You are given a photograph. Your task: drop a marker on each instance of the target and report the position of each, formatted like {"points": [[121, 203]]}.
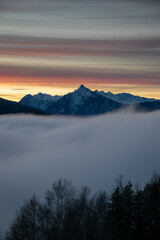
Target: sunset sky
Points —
{"points": [[53, 46]]}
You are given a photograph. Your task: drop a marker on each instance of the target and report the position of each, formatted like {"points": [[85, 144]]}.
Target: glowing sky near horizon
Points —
{"points": [[54, 46]]}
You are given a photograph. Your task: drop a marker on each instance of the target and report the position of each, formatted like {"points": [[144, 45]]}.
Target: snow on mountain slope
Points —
{"points": [[40, 101], [125, 98], [79, 96], [83, 101]]}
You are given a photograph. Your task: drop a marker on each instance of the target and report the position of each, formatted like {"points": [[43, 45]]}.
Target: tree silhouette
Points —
{"points": [[26, 224], [126, 214]]}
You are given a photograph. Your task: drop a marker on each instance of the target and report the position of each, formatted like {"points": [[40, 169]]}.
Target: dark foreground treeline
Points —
{"points": [[128, 213]]}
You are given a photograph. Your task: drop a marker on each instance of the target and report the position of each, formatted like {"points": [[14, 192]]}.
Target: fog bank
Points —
{"points": [[35, 151]]}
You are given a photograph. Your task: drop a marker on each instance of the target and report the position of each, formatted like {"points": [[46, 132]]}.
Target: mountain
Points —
{"points": [[83, 101], [7, 107], [125, 98], [40, 101], [148, 106]]}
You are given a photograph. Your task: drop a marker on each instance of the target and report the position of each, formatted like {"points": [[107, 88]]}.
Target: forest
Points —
{"points": [[127, 213]]}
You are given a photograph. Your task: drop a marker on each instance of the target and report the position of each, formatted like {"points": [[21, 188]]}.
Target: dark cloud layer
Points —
{"points": [[124, 33], [71, 75], [35, 151]]}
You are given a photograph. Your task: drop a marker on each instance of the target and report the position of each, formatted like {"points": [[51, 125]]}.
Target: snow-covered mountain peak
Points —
{"points": [[39, 94], [105, 94], [82, 86], [40, 101], [78, 97], [43, 96], [83, 91], [110, 93], [124, 98], [82, 101]]}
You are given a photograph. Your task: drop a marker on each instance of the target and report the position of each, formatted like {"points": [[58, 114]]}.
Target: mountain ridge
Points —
{"points": [[125, 98], [80, 102], [83, 101]]}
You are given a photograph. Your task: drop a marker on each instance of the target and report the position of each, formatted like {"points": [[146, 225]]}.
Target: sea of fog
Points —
{"points": [[36, 151]]}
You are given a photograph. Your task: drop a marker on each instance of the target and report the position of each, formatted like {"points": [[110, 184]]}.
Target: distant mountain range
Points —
{"points": [[125, 98], [81, 102], [40, 101]]}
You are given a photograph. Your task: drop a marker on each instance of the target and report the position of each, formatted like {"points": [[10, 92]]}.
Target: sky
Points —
{"points": [[53, 46], [93, 152]]}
